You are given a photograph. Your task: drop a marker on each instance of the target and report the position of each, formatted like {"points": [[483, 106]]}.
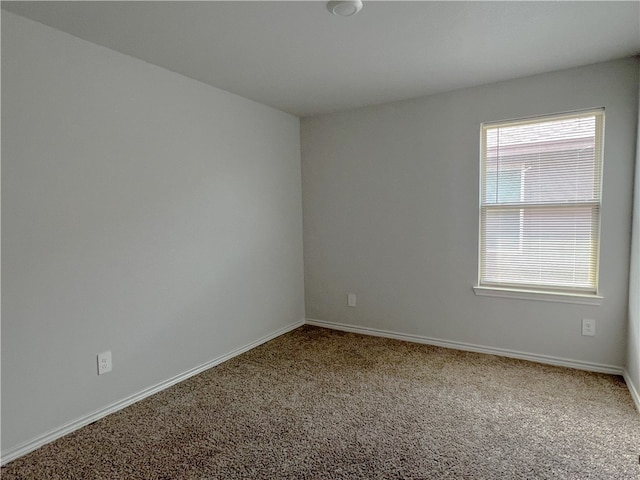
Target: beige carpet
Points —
{"points": [[322, 404]]}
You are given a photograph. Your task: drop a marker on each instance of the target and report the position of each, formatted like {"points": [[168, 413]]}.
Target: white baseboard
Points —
{"points": [[29, 446], [533, 357], [633, 389]]}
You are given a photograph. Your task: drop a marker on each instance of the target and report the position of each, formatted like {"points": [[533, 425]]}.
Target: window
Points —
{"points": [[540, 192]]}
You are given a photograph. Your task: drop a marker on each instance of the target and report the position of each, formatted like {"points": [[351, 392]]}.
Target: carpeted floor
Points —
{"points": [[316, 403]]}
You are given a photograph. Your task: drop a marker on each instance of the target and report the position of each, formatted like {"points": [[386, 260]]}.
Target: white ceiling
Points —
{"points": [[299, 58]]}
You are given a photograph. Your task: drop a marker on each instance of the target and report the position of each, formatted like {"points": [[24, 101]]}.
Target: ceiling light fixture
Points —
{"points": [[345, 8]]}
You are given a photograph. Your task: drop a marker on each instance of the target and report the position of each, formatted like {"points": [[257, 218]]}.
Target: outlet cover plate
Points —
{"points": [[104, 362], [351, 299], [588, 327]]}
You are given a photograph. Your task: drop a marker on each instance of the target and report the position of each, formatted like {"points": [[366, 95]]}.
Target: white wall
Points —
{"points": [[142, 212], [390, 207], [633, 336]]}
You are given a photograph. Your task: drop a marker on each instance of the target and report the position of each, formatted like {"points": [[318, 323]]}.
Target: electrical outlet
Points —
{"points": [[588, 327], [351, 299], [104, 362]]}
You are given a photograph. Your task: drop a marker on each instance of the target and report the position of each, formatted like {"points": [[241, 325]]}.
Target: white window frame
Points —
{"points": [[541, 292]]}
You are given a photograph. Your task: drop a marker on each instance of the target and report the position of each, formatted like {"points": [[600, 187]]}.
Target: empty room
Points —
{"points": [[320, 240]]}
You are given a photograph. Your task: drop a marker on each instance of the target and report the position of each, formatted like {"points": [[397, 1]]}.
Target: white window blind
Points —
{"points": [[540, 191]]}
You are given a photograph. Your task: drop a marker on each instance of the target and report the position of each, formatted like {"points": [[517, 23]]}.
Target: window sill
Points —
{"points": [[578, 298]]}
